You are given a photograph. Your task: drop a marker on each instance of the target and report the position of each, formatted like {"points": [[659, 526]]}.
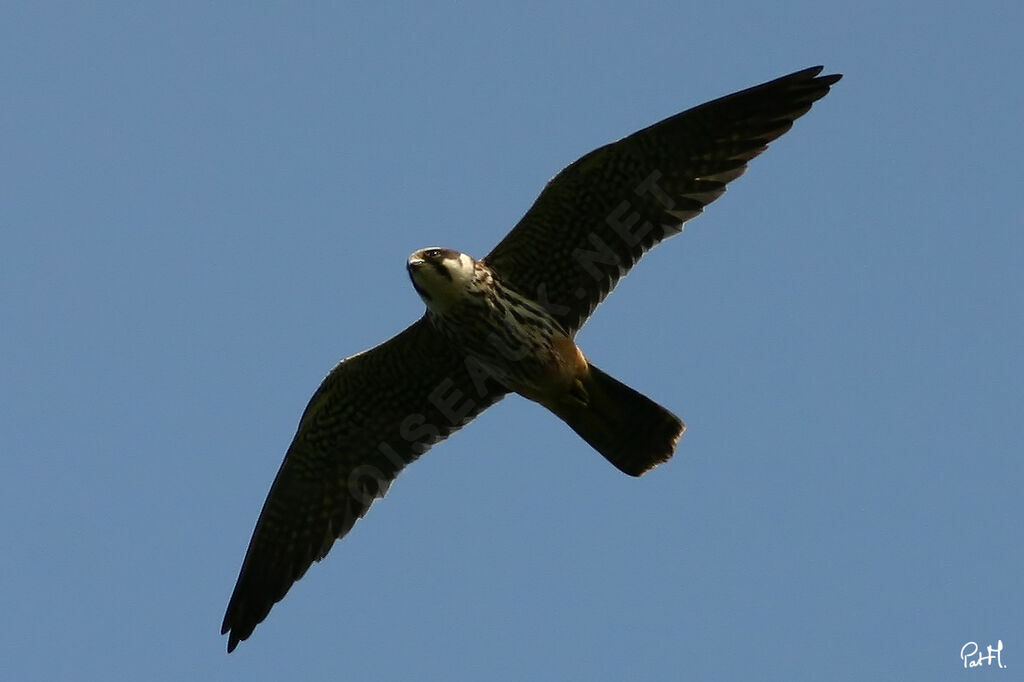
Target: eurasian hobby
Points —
{"points": [[507, 324]]}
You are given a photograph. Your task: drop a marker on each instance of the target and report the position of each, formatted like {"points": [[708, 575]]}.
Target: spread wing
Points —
{"points": [[596, 218], [373, 414]]}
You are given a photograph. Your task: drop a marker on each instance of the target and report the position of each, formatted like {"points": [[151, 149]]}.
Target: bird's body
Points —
{"points": [[507, 323], [519, 344], [512, 338]]}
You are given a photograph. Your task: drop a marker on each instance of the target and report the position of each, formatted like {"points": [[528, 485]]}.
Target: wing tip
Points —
{"points": [[807, 80], [826, 81], [230, 628], [811, 73], [240, 619], [236, 633]]}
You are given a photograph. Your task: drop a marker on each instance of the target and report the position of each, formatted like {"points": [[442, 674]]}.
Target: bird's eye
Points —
{"points": [[433, 253]]}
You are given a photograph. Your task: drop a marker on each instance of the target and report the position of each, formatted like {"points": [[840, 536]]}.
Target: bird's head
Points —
{"points": [[440, 276]]}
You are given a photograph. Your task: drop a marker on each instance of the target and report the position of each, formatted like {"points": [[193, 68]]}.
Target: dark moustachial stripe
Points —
{"points": [[440, 268]]}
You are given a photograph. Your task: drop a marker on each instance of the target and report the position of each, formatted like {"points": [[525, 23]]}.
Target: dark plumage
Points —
{"points": [[379, 410], [580, 236]]}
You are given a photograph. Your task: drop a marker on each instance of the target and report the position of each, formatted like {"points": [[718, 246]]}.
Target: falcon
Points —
{"points": [[507, 323]]}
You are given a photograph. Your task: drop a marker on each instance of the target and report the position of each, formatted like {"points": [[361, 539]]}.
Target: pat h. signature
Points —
{"points": [[973, 657]]}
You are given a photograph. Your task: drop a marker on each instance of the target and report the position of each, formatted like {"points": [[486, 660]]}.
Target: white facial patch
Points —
{"points": [[441, 276]]}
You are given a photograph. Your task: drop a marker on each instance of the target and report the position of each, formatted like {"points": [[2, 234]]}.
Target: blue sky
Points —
{"points": [[203, 208]]}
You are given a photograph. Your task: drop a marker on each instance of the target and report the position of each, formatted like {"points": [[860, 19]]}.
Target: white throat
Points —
{"points": [[442, 277]]}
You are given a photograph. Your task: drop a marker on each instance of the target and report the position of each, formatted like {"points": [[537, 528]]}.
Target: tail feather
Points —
{"points": [[632, 431]]}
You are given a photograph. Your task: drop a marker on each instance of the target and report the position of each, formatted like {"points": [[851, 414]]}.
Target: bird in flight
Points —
{"points": [[506, 323]]}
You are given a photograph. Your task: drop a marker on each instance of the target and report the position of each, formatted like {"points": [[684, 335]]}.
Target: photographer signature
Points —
{"points": [[970, 650]]}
